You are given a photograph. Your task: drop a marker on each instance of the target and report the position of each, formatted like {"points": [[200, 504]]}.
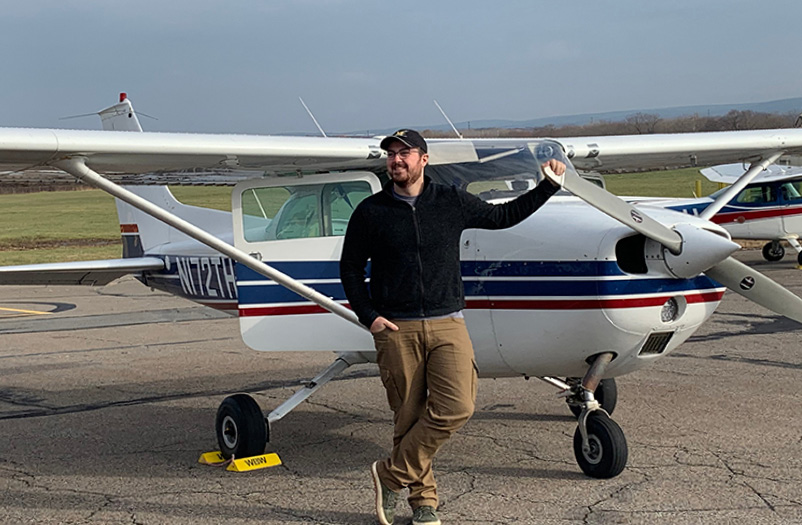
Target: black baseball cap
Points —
{"points": [[408, 137]]}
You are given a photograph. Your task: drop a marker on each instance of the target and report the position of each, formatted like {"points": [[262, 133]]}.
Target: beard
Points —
{"points": [[403, 176]]}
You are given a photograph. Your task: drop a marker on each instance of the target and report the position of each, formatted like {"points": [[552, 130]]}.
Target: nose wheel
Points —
{"points": [[241, 427], [600, 447]]}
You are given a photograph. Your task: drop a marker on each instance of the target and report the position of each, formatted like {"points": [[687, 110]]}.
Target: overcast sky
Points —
{"points": [[240, 65]]}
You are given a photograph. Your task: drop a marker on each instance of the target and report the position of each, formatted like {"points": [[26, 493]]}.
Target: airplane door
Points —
{"points": [[296, 225], [791, 195]]}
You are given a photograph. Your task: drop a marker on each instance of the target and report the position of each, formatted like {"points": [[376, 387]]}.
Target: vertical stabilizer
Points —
{"points": [[143, 234], [120, 116]]}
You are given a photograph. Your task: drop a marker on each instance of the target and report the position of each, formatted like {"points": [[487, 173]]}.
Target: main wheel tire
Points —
{"points": [[606, 394], [771, 254], [241, 427], [608, 452], [799, 259]]}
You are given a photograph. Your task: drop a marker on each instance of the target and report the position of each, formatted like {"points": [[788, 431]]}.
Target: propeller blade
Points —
{"points": [[756, 287], [616, 208]]}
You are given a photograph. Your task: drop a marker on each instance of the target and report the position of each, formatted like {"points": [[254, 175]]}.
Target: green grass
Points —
{"points": [[82, 225], [668, 183], [61, 226], [216, 197]]}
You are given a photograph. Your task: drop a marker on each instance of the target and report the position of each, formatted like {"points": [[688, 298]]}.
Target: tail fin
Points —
{"points": [[142, 233], [120, 116]]}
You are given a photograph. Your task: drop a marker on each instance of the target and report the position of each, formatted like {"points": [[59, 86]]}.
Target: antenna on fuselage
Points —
{"points": [[448, 120], [313, 117]]}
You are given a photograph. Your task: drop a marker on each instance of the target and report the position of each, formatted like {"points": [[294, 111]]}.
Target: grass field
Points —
{"points": [[82, 225]]}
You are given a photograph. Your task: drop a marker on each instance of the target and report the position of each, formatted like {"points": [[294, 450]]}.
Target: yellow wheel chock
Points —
{"points": [[241, 464]]}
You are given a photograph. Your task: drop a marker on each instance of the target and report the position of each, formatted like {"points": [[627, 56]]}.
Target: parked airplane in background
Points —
{"points": [[769, 208], [585, 290]]}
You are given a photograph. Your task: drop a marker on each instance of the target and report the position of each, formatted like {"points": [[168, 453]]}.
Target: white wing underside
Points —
{"points": [[141, 153]]}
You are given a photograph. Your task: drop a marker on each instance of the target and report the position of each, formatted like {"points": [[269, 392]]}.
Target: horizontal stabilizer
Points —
{"points": [[730, 173], [81, 272]]}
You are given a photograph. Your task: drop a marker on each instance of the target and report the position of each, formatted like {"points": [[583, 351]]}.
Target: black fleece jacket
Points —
{"points": [[414, 252]]}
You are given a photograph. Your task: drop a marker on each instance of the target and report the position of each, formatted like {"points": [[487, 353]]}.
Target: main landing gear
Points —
{"points": [[600, 447], [774, 251], [243, 430]]}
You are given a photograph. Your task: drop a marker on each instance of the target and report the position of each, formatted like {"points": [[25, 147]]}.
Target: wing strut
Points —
{"points": [[740, 184], [78, 168]]}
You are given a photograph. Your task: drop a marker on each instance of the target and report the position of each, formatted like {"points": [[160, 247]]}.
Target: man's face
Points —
{"points": [[405, 164]]}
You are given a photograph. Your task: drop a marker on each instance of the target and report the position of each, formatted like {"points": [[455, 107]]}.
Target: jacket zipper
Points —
{"points": [[420, 260]]}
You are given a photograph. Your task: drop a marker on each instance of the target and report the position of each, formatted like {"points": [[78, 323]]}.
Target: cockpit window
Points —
{"points": [[500, 173], [792, 190], [300, 212], [761, 194]]}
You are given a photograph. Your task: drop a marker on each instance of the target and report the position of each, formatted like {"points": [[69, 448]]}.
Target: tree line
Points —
{"points": [[640, 124]]}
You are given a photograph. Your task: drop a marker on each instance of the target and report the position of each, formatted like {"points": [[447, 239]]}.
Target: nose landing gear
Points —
{"points": [[600, 447]]}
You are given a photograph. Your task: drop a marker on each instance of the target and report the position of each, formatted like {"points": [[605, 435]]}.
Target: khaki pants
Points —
{"points": [[429, 373]]}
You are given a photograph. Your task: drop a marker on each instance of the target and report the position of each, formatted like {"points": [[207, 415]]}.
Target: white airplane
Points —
{"points": [[584, 291], [769, 208]]}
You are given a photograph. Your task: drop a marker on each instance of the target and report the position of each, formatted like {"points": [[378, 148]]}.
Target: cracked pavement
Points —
{"points": [[104, 423]]}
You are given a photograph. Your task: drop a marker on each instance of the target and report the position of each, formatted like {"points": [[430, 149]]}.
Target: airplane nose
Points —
{"points": [[700, 250]]}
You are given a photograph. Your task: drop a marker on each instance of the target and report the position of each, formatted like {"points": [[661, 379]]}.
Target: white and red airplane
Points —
{"points": [[585, 290], [769, 208]]}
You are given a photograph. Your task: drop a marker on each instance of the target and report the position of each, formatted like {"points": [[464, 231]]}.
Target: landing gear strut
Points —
{"points": [[600, 447], [606, 394], [243, 430]]}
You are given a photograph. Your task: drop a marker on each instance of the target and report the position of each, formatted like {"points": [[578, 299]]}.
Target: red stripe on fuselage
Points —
{"points": [[503, 304], [742, 216]]}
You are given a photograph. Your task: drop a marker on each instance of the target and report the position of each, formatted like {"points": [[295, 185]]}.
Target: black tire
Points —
{"points": [[608, 447], [606, 394], [799, 259], [772, 255], [241, 427]]}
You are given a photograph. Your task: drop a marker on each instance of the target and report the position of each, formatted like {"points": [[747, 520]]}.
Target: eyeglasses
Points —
{"points": [[402, 153]]}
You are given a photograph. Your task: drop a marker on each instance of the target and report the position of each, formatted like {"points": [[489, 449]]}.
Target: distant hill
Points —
{"points": [[788, 105]]}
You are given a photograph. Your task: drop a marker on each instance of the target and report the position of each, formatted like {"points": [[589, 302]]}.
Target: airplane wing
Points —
{"points": [[729, 173], [142, 153], [114, 152], [629, 152], [98, 272]]}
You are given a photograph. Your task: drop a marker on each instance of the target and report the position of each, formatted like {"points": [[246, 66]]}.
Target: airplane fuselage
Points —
{"points": [[537, 302]]}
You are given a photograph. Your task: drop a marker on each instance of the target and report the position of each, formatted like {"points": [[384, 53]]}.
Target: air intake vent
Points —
{"points": [[629, 253], [656, 343]]}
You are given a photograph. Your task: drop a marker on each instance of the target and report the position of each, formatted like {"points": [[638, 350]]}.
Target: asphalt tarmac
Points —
{"points": [[108, 400]]}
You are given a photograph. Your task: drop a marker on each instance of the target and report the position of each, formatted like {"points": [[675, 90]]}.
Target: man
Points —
{"points": [[410, 232]]}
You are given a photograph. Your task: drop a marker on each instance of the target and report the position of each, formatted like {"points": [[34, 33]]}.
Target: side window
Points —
{"points": [[792, 191], [300, 212], [341, 199], [259, 207], [756, 195], [300, 216]]}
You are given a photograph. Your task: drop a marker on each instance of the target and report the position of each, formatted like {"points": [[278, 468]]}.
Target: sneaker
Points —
{"points": [[425, 515], [385, 498]]}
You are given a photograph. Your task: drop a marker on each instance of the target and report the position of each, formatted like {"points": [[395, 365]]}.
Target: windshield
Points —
{"points": [[501, 172]]}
